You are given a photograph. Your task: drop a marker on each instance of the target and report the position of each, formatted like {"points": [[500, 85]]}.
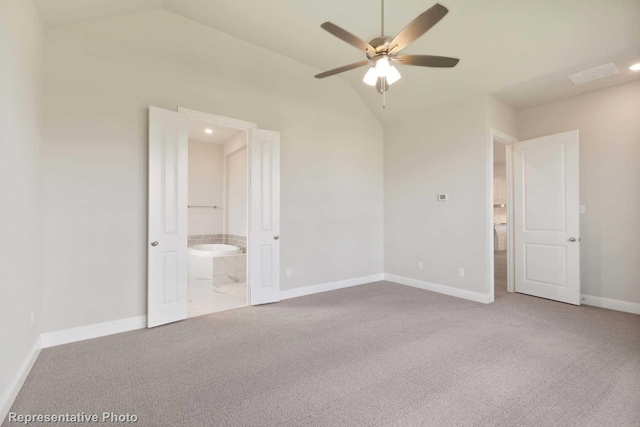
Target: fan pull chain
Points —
{"points": [[384, 94]]}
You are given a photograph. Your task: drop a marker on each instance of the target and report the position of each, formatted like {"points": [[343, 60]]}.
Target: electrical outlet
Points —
{"points": [[289, 272], [420, 265], [461, 272], [33, 319]]}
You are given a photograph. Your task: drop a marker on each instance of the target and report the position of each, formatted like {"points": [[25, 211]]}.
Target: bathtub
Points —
{"points": [[213, 250], [217, 262]]}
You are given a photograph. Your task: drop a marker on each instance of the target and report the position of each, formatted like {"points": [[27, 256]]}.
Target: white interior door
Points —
{"points": [[546, 217], [167, 237], [264, 214]]}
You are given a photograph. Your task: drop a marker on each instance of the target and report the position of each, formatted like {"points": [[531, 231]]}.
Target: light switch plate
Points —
{"points": [[583, 210]]}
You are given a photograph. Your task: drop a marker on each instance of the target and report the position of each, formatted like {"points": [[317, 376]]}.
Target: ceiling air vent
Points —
{"points": [[594, 73]]}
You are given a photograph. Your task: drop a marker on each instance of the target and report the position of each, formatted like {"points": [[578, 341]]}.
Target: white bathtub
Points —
{"points": [[213, 250], [218, 262]]}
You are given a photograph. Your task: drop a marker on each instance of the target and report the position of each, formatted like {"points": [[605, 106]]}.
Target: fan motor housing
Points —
{"points": [[381, 44]]}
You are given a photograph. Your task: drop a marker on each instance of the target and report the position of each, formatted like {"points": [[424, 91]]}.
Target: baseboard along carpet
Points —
{"points": [[378, 354]]}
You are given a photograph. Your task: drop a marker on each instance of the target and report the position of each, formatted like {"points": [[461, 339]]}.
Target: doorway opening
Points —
{"points": [[501, 234], [243, 252], [500, 202], [217, 218]]}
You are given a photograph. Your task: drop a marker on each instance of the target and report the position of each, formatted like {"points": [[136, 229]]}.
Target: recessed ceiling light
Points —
{"points": [[635, 67], [209, 131]]}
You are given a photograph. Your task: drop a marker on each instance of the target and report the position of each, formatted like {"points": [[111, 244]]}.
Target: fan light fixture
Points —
{"points": [[384, 52], [208, 131], [393, 75], [635, 67], [382, 66], [371, 77]]}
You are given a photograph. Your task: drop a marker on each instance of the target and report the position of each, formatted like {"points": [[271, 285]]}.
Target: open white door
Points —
{"points": [[264, 217], [167, 251], [547, 217]]}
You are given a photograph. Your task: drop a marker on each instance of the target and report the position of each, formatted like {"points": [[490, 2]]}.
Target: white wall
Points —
{"points": [[609, 125], [20, 283], [442, 151], [237, 191], [101, 76], [502, 117], [205, 188]]}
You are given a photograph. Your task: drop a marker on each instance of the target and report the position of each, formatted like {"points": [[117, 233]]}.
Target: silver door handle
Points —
{"points": [[154, 243], [572, 239], [276, 237]]}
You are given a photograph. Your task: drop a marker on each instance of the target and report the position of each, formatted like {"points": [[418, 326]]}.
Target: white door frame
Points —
{"points": [[508, 141], [215, 119]]}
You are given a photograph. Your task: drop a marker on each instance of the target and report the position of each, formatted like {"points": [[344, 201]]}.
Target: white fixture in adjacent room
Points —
{"points": [[500, 237]]}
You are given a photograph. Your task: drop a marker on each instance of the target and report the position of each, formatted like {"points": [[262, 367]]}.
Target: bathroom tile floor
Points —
{"points": [[205, 297]]}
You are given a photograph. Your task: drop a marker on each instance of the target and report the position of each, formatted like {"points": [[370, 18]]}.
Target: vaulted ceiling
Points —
{"points": [[519, 51]]}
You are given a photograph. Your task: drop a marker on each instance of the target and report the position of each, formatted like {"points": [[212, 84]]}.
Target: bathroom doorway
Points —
{"points": [[238, 262], [217, 218], [501, 258]]}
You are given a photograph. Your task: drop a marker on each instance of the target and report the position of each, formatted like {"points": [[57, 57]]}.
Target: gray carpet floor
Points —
{"points": [[380, 354]]}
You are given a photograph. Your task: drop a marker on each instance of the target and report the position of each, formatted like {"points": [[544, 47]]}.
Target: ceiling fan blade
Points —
{"points": [[342, 69], [346, 36], [426, 60], [418, 27]]}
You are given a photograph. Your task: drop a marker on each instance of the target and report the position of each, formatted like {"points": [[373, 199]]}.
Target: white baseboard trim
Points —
{"points": [[441, 289], [50, 339], [611, 304], [330, 286], [18, 380]]}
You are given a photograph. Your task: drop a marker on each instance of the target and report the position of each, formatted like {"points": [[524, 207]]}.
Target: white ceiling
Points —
{"points": [[55, 13], [220, 135], [519, 51]]}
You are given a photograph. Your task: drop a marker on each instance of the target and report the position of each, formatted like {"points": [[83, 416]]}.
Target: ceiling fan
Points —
{"points": [[384, 52]]}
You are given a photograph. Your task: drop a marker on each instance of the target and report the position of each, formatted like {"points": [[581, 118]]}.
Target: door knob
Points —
{"points": [[276, 237], [572, 239], [154, 243]]}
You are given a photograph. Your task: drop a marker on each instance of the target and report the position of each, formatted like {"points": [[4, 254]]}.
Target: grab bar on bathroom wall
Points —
{"points": [[192, 206]]}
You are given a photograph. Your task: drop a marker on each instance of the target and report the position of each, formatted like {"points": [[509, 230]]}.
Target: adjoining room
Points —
{"points": [[500, 202], [217, 254]]}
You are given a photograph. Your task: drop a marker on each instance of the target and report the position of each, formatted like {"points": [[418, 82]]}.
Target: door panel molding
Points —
{"points": [[547, 217], [167, 226]]}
